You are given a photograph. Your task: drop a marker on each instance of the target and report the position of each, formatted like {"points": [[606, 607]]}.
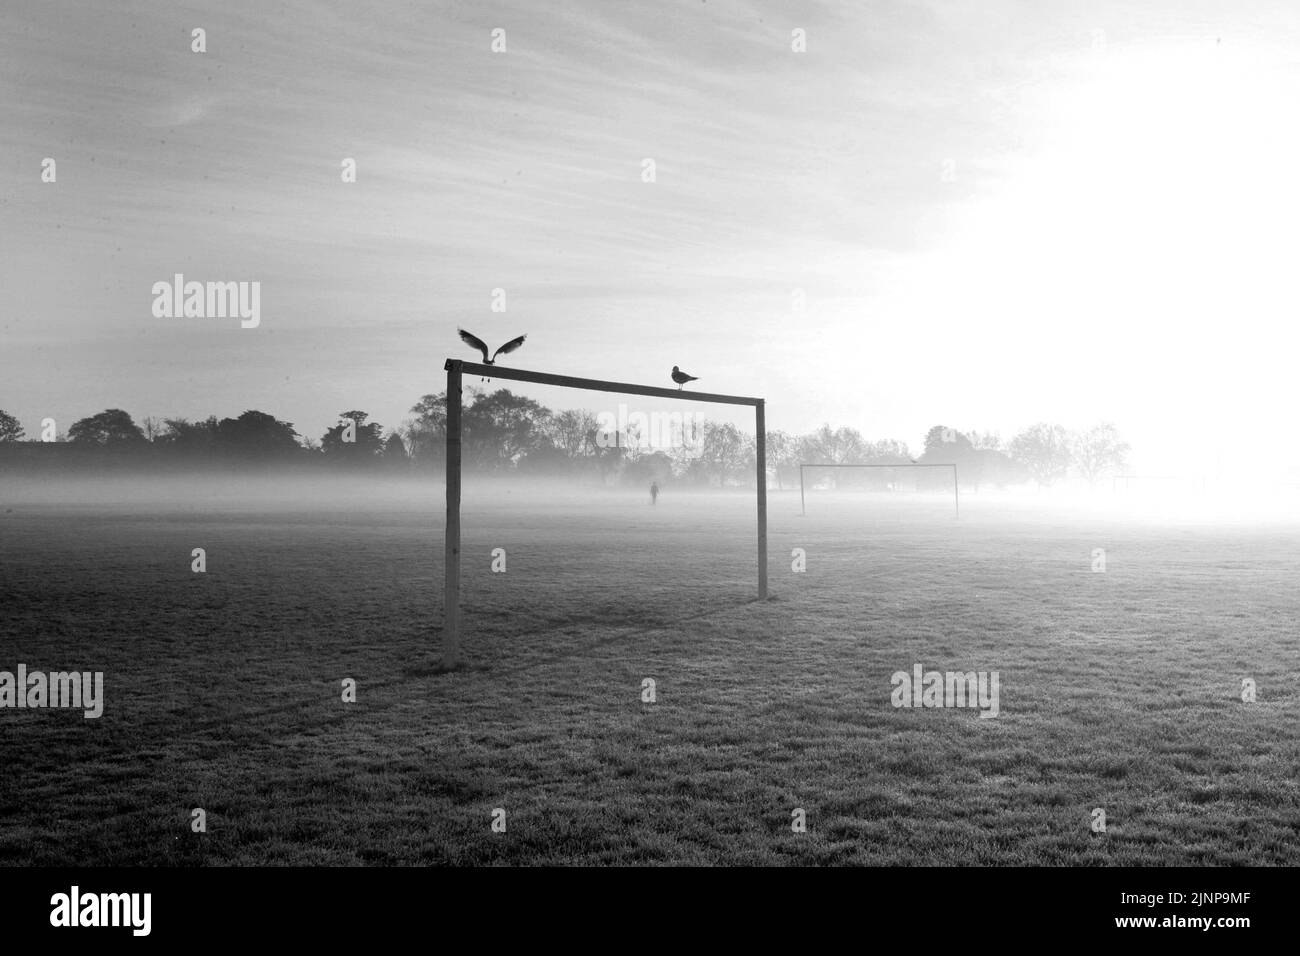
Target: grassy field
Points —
{"points": [[1119, 690]]}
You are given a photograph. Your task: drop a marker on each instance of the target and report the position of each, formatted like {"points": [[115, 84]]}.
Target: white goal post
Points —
{"points": [[455, 368], [803, 505]]}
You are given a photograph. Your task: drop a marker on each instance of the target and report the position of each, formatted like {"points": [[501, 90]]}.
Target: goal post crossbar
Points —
{"points": [[456, 368], [595, 385], [956, 497]]}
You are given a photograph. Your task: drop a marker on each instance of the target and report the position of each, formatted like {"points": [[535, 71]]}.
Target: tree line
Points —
{"points": [[505, 433]]}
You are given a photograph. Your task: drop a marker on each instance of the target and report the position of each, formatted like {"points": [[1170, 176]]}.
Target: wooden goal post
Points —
{"points": [[456, 368]]}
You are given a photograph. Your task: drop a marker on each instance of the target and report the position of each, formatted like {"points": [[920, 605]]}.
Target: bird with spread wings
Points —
{"points": [[474, 341]]}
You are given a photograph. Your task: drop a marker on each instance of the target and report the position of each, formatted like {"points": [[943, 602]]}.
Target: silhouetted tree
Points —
{"points": [[724, 453], [888, 451], [834, 447], [395, 451], [367, 443], [10, 428], [947, 446], [190, 438], [608, 457], [1098, 451], [426, 433], [570, 431], [1044, 450], [827, 446], [984, 441], [782, 459], [110, 427], [500, 427], [259, 436]]}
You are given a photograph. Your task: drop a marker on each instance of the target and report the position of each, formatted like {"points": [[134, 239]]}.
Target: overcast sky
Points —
{"points": [[997, 212]]}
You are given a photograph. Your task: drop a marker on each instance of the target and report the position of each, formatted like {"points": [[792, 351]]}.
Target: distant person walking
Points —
{"points": [[654, 492]]}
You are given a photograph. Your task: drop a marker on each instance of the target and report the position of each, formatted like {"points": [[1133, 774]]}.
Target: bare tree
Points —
{"points": [[1098, 451], [782, 456], [985, 441], [1044, 450], [571, 431]]}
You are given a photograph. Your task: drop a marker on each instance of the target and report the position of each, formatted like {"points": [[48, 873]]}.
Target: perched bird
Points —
{"points": [[681, 378], [475, 342]]}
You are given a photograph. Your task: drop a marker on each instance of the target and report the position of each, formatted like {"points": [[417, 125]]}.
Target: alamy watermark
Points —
{"points": [[681, 432], [75, 909], [57, 689], [951, 689], [208, 300]]}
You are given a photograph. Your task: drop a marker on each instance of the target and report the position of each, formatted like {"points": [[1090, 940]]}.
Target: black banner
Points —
{"points": [[947, 906]]}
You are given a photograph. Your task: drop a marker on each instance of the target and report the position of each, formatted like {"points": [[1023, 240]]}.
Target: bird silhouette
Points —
{"points": [[474, 341], [681, 378]]}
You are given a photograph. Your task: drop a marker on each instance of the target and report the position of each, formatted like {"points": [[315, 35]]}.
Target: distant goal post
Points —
{"points": [[804, 466]]}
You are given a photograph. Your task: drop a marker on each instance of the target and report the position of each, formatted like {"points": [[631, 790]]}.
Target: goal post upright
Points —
{"points": [[760, 433], [457, 368], [956, 487], [451, 627]]}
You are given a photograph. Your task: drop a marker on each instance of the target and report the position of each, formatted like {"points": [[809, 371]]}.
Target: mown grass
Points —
{"points": [[1118, 690]]}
